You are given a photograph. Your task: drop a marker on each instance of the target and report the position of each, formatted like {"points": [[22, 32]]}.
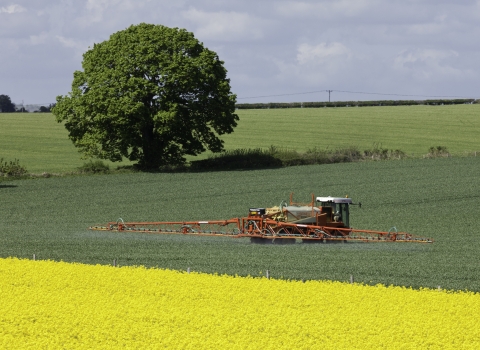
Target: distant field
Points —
{"points": [[435, 198], [38, 141], [42, 144], [412, 129]]}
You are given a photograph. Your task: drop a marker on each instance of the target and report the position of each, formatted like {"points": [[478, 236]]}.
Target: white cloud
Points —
{"points": [[426, 55], [110, 10], [39, 39], [225, 25], [96, 8], [321, 53], [440, 24], [476, 10], [12, 9], [324, 9], [314, 66], [66, 41], [79, 46], [429, 64], [269, 47]]}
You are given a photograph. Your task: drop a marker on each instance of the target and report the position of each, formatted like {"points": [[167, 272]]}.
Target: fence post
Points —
{"points": [[188, 269], [34, 257], [114, 262], [351, 279], [268, 275]]}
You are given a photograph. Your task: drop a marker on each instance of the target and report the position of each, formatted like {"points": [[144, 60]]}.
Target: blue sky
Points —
{"points": [[273, 50]]}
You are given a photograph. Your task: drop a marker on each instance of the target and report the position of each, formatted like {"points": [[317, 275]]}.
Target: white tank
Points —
{"points": [[302, 211]]}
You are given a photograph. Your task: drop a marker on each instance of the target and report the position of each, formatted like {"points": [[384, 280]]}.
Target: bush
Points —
{"points": [[283, 157], [380, 153], [438, 151], [12, 168], [237, 159], [94, 167]]}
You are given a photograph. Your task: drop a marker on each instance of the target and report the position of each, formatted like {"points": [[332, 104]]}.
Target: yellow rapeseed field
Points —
{"points": [[56, 305]]}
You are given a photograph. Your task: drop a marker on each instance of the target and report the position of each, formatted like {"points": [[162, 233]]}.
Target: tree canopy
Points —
{"points": [[6, 104], [151, 94]]}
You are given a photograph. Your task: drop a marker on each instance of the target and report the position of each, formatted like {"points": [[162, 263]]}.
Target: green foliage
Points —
{"points": [[11, 168], [94, 167], [438, 151], [380, 153], [280, 157], [314, 155], [44, 109], [327, 156], [151, 94], [238, 159], [6, 105]]}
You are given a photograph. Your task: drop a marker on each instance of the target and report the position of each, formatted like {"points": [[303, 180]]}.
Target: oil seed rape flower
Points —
{"points": [[56, 305]]}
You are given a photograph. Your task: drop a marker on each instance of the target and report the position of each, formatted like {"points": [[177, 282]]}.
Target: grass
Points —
{"points": [[412, 129], [436, 198], [38, 142], [42, 145]]}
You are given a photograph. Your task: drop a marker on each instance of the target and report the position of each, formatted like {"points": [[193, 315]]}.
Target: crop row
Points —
{"points": [[433, 198]]}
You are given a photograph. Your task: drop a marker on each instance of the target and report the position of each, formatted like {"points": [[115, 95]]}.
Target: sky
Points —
{"points": [[274, 51]]}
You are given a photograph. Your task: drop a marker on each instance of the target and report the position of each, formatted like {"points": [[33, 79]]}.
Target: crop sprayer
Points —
{"points": [[324, 219]]}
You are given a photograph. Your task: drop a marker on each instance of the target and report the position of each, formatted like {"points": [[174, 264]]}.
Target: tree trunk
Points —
{"points": [[150, 158]]}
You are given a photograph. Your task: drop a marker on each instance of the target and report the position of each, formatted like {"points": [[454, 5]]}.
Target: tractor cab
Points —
{"points": [[337, 208]]}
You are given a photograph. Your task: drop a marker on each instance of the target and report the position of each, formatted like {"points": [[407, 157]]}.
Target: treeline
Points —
{"points": [[7, 106], [354, 103]]}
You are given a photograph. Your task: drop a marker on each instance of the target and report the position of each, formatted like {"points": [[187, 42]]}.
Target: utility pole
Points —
{"points": [[329, 91]]}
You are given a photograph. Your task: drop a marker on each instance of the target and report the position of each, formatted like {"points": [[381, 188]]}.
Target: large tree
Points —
{"points": [[151, 94], [6, 104]]}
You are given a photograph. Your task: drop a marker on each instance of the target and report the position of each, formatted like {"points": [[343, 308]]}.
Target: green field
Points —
{"points": [[42, 144], [412, 129], [436, 198], [39, 142]]}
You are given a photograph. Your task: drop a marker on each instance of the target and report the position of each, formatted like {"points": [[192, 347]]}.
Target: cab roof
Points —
{"points": [[334, 199]]}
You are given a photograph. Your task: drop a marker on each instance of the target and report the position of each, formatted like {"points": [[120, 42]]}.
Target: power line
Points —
{"points": [[351, 92], [329, 91], [296, 93], [379, 93]]}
